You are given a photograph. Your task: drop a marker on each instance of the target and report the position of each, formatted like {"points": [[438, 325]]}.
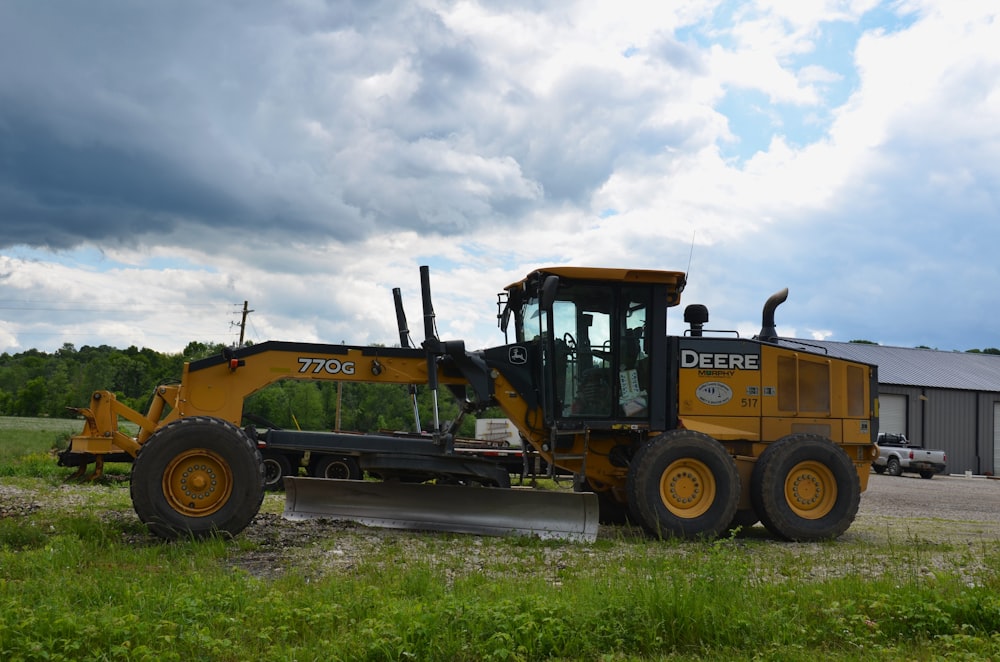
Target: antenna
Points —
{"points": [[687, 274]]}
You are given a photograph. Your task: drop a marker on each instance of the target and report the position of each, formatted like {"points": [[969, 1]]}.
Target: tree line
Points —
{"points": [[36, 383]]}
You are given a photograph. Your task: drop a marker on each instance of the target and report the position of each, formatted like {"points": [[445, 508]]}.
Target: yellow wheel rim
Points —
{"points": [[811, 490], [687, 488], [197, 482]]}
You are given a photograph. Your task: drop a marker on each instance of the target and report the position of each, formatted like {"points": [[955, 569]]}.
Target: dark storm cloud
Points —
{"points": [[58, 193], [120, 118], [316, 120]]}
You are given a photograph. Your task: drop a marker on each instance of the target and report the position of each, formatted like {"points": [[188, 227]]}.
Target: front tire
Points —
{"points": [[197, 476], [893, 467], [684, 484], [804, 487]]}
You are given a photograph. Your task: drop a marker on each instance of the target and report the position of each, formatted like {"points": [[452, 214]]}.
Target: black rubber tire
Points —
{"points": [[826, 504], [214, 458], [893, 467], [344, 467], [683, 484], [276, 467], [743, 520], [879, 468], [610, 509], [927, 474]]}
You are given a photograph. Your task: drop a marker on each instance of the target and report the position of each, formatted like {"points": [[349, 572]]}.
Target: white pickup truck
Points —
{"points": [[896, 455]]}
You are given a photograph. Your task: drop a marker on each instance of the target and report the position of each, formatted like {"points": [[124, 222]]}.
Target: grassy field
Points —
{"points": [[81, 579], [28, 446], [26, 436]]}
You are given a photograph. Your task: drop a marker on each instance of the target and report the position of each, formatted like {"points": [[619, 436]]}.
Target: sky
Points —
{"points": [[161, 163]]}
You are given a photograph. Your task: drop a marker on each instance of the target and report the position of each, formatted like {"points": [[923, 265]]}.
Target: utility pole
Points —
{"points": [[340, 395], [243, 322]]}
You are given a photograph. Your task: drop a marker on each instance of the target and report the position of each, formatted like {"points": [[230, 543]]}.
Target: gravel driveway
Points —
{"points": [[942, 497], [942, 509]]}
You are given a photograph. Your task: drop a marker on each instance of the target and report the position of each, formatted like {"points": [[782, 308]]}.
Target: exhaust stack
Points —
{"points": [[768, 333], [697, 316]]}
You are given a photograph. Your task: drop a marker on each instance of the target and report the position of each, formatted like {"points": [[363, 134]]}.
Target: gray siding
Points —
{"points": [[949, 422], [958, 422], [986, 431]]}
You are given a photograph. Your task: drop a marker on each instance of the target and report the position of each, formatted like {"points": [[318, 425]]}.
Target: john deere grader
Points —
{"points": [[688, 434]]}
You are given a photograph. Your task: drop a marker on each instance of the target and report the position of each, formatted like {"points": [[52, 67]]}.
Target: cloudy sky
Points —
{"points": [[163, 162]]}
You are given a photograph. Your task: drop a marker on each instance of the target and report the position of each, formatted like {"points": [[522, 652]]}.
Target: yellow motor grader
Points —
{"points": [[688, 434]]}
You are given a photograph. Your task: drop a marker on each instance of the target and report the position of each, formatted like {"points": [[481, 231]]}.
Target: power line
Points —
{"points": [[125, 306], [242, 323]]}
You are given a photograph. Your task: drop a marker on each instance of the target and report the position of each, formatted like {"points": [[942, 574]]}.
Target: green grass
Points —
{"points": [[28, 436], [113, 600], [28, 447], [81, 579]]}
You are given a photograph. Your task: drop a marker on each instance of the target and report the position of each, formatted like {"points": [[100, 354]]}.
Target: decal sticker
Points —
{"points": [[329, 366], [517, 355], [714, 393], [719, 360]]}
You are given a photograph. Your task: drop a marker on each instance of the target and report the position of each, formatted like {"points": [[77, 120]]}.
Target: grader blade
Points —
{"points": [[477, 510]]}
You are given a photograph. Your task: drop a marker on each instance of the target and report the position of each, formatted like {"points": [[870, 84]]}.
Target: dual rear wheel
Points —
{"points": [[686, 484], [805, 487]]}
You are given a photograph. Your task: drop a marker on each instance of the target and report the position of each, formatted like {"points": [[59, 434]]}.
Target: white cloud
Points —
{"points": [[308, 157]]}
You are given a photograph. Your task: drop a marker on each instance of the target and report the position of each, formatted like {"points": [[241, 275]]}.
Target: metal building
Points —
{"points": [[947, 400]]}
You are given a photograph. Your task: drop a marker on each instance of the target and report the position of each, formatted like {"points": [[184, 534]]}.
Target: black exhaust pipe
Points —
{"points": [[768, 333]]}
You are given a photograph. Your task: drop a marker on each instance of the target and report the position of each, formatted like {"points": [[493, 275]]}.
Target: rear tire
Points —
{"points": [[879, 468], [197, 476], [804, 487], [927, 474], [684, 484]]}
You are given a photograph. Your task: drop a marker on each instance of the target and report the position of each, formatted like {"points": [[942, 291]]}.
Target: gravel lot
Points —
{"points": [[942, 497], [944, 509]]}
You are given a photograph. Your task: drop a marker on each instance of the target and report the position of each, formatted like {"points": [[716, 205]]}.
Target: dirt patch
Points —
{"points": [[16, 502]]}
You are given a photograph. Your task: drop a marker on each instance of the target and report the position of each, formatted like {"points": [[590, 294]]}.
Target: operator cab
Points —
{"points": [[600, 335]]}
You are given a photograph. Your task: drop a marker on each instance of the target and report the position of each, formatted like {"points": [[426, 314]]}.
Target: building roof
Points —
{"points": [[904, 366]]}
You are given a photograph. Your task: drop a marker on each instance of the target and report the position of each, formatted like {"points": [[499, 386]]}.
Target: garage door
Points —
{"points": [[892, 413]]}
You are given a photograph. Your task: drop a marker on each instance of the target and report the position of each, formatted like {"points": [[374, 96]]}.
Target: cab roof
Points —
{"points": [[674, 280]]}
